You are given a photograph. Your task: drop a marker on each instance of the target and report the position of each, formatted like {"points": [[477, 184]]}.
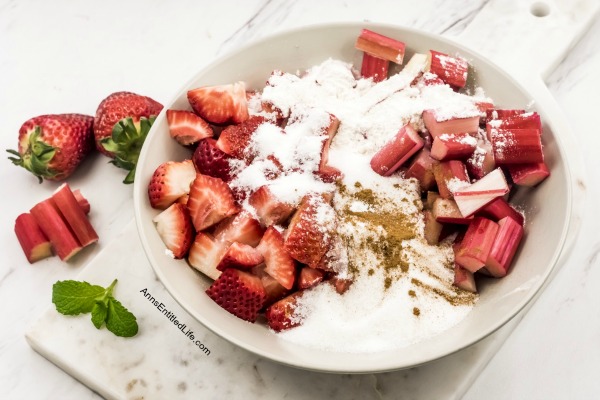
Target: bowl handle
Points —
{"points": [[530, 37]]}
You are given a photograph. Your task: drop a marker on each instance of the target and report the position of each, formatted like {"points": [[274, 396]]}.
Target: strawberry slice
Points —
{"points": [[170, 181], [240, 256], [309, 233], [309, 277], [220, 105], [278, 262], [235, 138], [273, 289], [210, 160], [238, 292], [187, 128], [210, 201], [206, 253], [240, 228], [281, 315], [175, 229], [269, 209]]}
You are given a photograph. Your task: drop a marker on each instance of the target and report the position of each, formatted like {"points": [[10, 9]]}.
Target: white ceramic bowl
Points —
{"points": [[548, 207]]}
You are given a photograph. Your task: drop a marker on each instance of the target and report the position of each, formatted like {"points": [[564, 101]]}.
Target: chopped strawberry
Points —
{"points": [[238, 292], [326, 172], [269, 209], [235, 138], [175, 229], [240, 256], [309, 277], [273, 289], [220, 105], [210, 201], [281, 316], [187, 128], [309, 233], [170, 181], [210, 160], [278, 262], [341, 285], [206, 253], [240, 228]]}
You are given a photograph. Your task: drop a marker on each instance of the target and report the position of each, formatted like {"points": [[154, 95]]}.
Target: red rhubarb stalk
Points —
{"points": [[476, 196], [481, 161], [83, 202], [453, 146], [452, 70], [374, 67], [450, 176], [516, 146], [74, 216], [446, 211], [504, 247], [464, 279], [421, 168], [34, 243], [499, 208], [396, 152], [528, 174], [474, 249], [380, 46], [56, 229], [433, 229], [501, 114], [454, 125]]}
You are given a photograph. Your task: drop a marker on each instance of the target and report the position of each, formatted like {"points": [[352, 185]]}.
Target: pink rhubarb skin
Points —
{"points": [[452, 70], [374, 67], [445, 211], [516, 146], [421, 168], [474, 249], [380, 46], [464, 279], [501, 114], [454, 125], [34, 243], [522, 120], [74, 216], [499, 208], [396, 152], [447, 171], [481, 162], [504, 247], [528, 174], [476, 196], [453, 146], [83, 202], [56, 229]]}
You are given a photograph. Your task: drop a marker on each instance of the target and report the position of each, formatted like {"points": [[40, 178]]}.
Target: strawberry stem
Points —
{"points": [[36, 156]]}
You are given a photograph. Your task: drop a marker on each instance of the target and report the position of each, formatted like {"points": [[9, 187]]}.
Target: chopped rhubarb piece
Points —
{"points": [[309, 277], [474, 249], [452, 70], [484, 107], [431, 197], [530, 120], [504, 247], [516, 146], [56, 229], [450, 176], [499, 208], [206, 253], [374, 67], [380, 46], [396, 152], [453, 146], [187, 128], [326, 172], [281, 315], [421, 168], [34, 243], [476, 196], [433, 229], [528, 174], [481, 161], [174, 227], [83, 202], [238, 292], [446, 211], [454, 125], [240, 228], [501, 114], [464, 279], [74, 216], [240, 256], [269, 209]]}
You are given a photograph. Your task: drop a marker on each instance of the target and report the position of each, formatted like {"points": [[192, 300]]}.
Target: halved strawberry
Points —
{"points": [[175, 229], [240, 256], [309, 234], [187, 128], [309, 277], [206, 253], [240, 228], [170, 181], [240, 293], [220, 105], [210, 160], [235, 138], [273, 289], [210, 201], [281, 315], [278, 262], [269, 209]]}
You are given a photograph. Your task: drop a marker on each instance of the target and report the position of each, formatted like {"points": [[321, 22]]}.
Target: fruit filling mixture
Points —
{"points": [[350, 210]]}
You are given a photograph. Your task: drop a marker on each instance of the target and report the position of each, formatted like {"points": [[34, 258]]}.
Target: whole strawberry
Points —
{"points": [[52, 146], [122, 123]]}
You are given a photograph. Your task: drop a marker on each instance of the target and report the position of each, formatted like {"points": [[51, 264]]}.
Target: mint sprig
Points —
{"points": [[75, 297]]}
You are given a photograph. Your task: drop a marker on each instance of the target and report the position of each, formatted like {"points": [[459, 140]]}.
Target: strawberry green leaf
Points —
{"points": [[74, 297], [119, 320], [99, 313], [36, 156]]}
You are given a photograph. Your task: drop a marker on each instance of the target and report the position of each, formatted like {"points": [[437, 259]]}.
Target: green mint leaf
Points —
{"points": [[99, 313], [73, 297], [119, 320]]}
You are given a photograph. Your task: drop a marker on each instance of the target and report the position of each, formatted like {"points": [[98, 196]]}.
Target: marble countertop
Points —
{"points": [[65, 56]]}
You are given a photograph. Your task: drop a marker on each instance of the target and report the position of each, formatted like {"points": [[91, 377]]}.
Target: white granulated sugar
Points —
{"points": [[387, 306], [455, 184], [464, 139]]}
